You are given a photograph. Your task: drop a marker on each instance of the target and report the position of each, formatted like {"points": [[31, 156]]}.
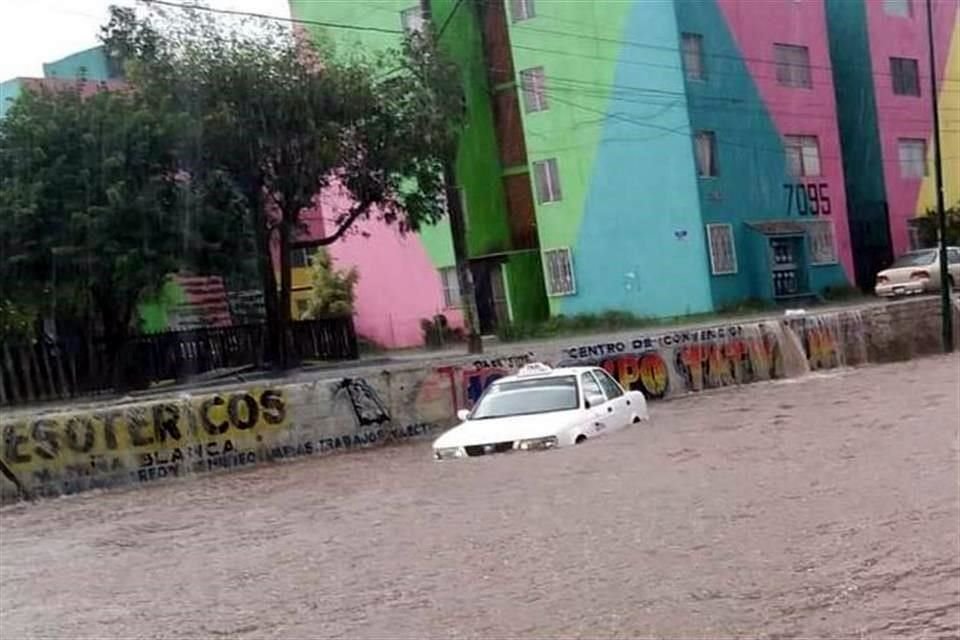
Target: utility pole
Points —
{"points": [[945, 293], [458, 229]]}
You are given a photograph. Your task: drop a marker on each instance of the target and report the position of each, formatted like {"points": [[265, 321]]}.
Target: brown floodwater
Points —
{"points": [[821, 507]]}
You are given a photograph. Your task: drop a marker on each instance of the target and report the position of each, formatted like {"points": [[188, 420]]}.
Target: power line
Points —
{"points": [[743, 74], [720, 141], [446, 22], [723, 56], [263, 16]]}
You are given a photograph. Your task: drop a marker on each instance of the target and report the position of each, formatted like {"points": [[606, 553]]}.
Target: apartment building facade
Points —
{"points": [[662, 157], [880, 53]]}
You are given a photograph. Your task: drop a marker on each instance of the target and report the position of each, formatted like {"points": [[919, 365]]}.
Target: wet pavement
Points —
{"points": [[826, 506]]}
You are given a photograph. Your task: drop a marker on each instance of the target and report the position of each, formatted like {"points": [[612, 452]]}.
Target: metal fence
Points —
{"points": [[75, 368]]}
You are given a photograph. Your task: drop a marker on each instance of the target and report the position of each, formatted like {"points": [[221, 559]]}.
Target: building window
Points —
{"points": [[913, 232], [803, 155], [451, 287], [534, 91], [547, 180], [300, 258], [522, 10], [913, 157], [693, 56], [906, 76], [723, 253], [793, 65], [560, 280], [412, 19], [823, 250], [898, 8], [706, 147]]}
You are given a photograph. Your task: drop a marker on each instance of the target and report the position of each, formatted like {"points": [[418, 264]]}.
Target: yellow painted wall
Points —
{"points": [[949, 110]]}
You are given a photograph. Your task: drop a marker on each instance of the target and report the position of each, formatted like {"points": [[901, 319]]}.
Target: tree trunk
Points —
{"points": [[464, 276], [268, 279], [287, 359]]}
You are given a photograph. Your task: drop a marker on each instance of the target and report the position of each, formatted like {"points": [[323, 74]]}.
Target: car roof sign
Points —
{"points": [[534, 369]]}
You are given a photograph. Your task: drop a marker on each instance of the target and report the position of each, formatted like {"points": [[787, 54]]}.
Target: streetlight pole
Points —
{"points": [[946, 317]]}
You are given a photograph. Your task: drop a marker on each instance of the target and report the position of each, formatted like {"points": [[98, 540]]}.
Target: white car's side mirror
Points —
{"points": [[463, 415]]}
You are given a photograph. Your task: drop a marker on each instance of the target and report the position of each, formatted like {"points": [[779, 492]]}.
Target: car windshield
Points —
{"points": [[915, 259], [522, 397]]}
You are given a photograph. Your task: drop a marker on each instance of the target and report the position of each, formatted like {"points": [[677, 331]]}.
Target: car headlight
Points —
{"points": [[538, 443], [445, 453]]}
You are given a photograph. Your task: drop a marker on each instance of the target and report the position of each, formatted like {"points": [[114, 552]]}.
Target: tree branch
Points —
{"points": [[344, 226]]}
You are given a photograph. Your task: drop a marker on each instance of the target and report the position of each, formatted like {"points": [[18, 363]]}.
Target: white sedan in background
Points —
{"points": [[542, 408], [918, 272]]}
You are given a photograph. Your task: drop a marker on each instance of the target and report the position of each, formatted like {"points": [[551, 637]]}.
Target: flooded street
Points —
{"points": [[821, 507]]}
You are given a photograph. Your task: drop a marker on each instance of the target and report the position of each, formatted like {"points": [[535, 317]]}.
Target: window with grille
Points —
{"points": [[823, 249], [793, 65], [803, 155], [532, 82], [913, 157], [412, 19], [723, 253], [706, 148], [451, 287], [906, 76], [898, 8], [560, 281], [547, 180], [522, 10], [693, 56], [300, 258]]}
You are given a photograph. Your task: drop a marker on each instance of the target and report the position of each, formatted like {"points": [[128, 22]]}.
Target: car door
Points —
{"points": [[599, 411], [617, 401], [953, 265]]}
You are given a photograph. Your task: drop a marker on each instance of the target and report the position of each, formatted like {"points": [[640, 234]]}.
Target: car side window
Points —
{"points": [[609, 385], [592, 392], [953, 256]]}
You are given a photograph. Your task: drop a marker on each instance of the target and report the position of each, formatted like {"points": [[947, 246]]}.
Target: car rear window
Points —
{"points": [[522, 397], [915, 259]]}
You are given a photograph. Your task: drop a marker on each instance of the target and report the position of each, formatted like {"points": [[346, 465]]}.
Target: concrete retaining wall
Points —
{"points": [[239, 426]]}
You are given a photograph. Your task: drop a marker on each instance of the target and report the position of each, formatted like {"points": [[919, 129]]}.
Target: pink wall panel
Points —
{"points": [[756, 25]]}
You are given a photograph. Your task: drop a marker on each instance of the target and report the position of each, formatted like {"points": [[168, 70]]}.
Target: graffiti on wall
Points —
{"points": [[69, 451], [74, 451]]}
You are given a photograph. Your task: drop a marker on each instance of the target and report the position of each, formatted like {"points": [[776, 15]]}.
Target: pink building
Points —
{"points": [[399, 285], [880, 60]]}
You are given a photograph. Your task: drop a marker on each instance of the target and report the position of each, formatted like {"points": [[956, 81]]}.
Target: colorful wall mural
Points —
{"points": [[886, 189]]}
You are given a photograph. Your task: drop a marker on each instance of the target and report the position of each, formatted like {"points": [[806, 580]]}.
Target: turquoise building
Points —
{"points": [[661, 157]]}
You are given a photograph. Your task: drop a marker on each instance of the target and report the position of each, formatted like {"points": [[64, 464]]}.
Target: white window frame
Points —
{"points": [[452, 299], [554, 291], [791, 72], [411, 24], [898, 8], [823, 247], [521, 10], [908, 165], [533, 85], [710, 171], [715, 268], [897, 79], [698, 70], [547, 183], [806, 151]]}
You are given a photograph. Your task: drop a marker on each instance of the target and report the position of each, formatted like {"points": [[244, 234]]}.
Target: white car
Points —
{"points": [[542, 408]]}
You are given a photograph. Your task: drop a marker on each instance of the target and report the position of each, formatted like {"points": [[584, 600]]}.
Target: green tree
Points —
{"points": [[928, 227], [331, 289], [95, 211], [285, 122]]}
